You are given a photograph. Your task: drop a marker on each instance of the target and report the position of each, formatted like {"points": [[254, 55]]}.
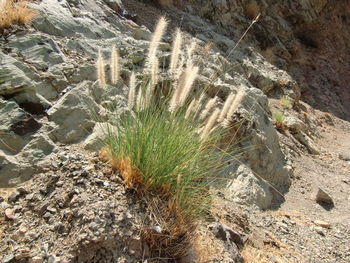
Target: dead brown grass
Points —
{"points": [[252, 10], [174, 237], [131, 177], [14, 13]]}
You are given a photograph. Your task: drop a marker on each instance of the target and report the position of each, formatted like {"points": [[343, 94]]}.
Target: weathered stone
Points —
{"points": [[14, 197], [307, 142], [247, 189], [227, 234], [322, 224], [323, 197], [72, 115], [10, 214]]}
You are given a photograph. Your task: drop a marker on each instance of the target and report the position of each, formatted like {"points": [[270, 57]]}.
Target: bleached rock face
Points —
{"points": [[48, 81]]}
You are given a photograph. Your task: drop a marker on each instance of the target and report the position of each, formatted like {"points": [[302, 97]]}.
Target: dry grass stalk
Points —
{"points": [[132, 91], [210, 124], [114, 65], [173, 240], [101, 75], [15, 13], [175, 53], [132, 178], [233, 108], [208, 107], [154, 44]]}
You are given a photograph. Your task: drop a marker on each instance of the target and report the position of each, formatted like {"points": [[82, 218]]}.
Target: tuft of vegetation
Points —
{"points": [[15, 13], [279, 121], [285, 102], [165, 147]]}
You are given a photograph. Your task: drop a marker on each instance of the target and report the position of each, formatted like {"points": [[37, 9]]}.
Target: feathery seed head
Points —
{"points": [[190, 76], [210, 124], [154, 75], [132, 91], [114, 65], [101, 75], [208, 107], [176, 49], [154, 44], [226, 107], [174, 101], [139, 100], [234, 106], [152, 84]]}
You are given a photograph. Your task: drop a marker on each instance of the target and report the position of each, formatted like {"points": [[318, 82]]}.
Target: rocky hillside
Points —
{"points": [[69, 207]]}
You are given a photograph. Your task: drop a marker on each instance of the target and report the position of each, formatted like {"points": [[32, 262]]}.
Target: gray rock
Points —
{"points": [[14, 197], [304, 139], [95, 140], [227, 234], [323, 197], [295, 124], [59, 19], [14, 171], [247, 189], [73, 115], [16, 78]]}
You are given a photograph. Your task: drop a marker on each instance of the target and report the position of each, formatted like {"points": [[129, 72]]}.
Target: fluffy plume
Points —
{"points": [[234, 106], [208, 107], [191, 74], [152, 84], [139, 100], [226, 107], [175, 53], [174, 102], [190, 108], [190, 51], [101, 75], [210, 124], [132, 91], [156, 37], [114, 65], [199, 104], [154, 75]]}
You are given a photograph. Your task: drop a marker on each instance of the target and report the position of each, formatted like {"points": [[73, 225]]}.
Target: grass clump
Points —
{"points": [[278, 118], [165, 146], [285, 102], [166, 155], [15, 13]]}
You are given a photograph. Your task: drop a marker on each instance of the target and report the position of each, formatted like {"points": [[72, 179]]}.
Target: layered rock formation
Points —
{"points": [[49, 96]]}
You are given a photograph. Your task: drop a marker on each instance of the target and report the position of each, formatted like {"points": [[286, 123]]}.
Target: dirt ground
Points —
{"points": [[302, 230]]}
